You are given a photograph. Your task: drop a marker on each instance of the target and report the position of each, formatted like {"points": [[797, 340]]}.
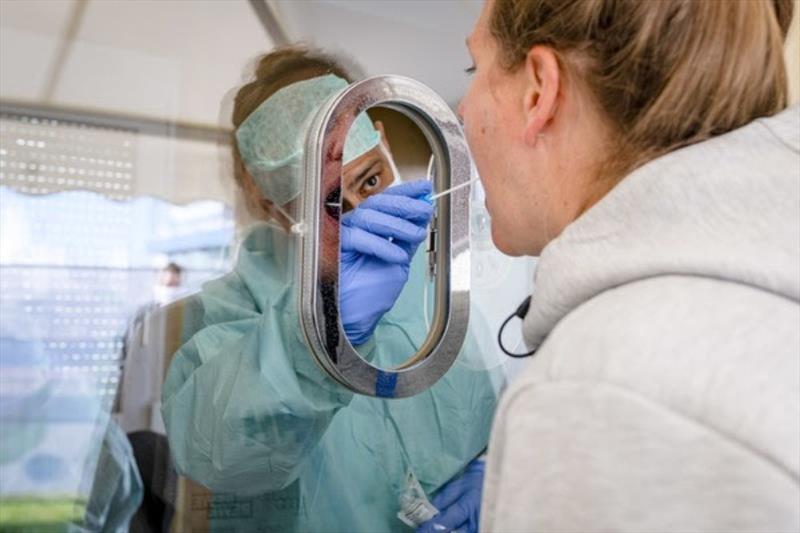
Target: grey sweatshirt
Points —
{"points": [[665, 393]]}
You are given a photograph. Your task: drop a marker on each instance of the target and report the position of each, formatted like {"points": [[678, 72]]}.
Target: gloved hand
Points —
{"points": [[459, 503], [378, 241]]}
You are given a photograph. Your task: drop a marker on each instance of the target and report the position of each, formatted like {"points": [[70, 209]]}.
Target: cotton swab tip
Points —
{"points": [[431, 197]]}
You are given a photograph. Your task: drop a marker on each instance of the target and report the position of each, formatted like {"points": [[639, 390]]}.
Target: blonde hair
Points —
{"points": [[666, 73], [274, 71]]}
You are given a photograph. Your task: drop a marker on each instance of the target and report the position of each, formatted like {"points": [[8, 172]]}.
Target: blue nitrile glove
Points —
{"points": [[459, 503], [378, 241]]}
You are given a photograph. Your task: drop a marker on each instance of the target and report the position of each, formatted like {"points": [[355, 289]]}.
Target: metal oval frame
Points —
{"points": [[449, 239]]}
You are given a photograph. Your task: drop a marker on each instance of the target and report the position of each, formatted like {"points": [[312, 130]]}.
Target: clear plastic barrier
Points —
{"points": [[133, 270]]}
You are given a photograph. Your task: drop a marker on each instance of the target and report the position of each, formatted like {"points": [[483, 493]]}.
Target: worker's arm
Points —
{"points": [[243, 401]]}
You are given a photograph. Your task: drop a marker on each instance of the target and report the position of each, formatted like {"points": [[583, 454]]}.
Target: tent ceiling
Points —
{"points": [[417, 38], [162, 59], [176, 60]]}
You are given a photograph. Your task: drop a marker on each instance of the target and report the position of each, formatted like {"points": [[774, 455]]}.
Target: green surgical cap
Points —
{"points": [[271, 139]]}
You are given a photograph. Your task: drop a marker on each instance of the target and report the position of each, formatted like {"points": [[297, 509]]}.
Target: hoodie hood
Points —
{"points": [[727, 208]]}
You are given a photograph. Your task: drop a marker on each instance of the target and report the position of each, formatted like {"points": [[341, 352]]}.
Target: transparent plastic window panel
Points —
{"points": [[80, 260]]}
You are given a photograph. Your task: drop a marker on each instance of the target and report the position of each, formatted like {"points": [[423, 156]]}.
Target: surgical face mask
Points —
{"points": [[272, 138], [392, 166]]}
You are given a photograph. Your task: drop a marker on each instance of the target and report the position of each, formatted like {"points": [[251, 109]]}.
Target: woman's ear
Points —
{"points": [[542, 82], [384, 140]]}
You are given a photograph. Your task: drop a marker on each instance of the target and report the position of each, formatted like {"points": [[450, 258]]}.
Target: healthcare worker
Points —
{"points": [[248, 412], [644, 151]]}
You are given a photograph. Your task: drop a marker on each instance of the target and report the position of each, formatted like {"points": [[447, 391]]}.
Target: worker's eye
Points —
{"points": [[370, 184], [469, 70]]}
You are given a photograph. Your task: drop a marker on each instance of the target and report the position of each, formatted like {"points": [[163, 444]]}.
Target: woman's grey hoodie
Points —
{"points": [[665, 393]]}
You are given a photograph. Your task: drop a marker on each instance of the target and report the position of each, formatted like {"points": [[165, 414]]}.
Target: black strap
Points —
{"points": [[520, 313]]}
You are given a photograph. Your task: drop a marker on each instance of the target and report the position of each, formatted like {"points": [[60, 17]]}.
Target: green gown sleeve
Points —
{"points": [[243, 401]]}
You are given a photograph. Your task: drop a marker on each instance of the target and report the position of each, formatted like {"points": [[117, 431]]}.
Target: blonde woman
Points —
{"points": [[644, 152]]}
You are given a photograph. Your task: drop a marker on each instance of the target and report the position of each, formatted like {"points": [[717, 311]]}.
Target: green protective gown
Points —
{"points": [[282, 446]]}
